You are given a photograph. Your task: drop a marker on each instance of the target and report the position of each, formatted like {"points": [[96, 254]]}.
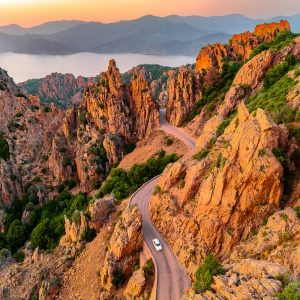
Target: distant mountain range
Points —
{"points": [[171, 35]]}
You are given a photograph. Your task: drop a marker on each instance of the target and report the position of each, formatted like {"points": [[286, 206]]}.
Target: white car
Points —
{"points": [[157, 245]]}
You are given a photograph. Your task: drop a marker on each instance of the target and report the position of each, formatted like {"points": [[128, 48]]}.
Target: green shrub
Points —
{"points": [[220, 162], [284, 278], [122, 183], [221, 128], [169, 141], [16, 235], [19, 256], [157, 190], [274, 74], [283, 38], [215, 93], [118, 278], [280, 155], [128, 148], [273, 101], [47, 109], [201, 155], [4, 149], [18, 115], [67, 161], [261, 152], [204, 275], [290, 292], [89, 234], [149, 267], [295, 132], [297, 210], [96, 184], [82, 117], [260, 48], [37, 179], [5, 252]]}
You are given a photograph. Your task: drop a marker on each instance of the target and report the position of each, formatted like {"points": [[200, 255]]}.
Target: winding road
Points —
{"points": [[172, 280]]}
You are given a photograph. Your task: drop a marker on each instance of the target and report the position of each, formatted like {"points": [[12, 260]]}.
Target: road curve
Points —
{"points": [[172, 280]]}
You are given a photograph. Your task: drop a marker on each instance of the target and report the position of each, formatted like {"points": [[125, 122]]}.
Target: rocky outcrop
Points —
{"points": [[247, 81], [242, 45], [276, 241], [106, 106], [257, 267], [28, 130], [100, 211], [211, 58], [123, 249], [135, 285], [184, 92], [129, 110], [59, 160], [268, 31], [2, 220], [75, 229], [94, 135], [204, 202], [144, 106], [239, 283], [62, 89], [49, 288]]}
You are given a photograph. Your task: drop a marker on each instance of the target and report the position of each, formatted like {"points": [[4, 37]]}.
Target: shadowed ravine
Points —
{"points": [[172, 279]]}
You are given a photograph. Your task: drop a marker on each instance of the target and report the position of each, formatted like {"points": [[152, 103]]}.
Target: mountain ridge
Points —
{"points": [[146, 35]]}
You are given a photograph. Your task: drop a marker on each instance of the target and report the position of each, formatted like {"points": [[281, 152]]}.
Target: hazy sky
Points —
{"points": [[29, 12]]}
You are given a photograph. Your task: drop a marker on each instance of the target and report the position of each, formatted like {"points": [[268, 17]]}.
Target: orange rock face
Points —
{"points": [[110, 115], [204, 203], [242, 44], [28, 130], [64, 89], [268, 31], [209, 65], [123, 248], [184, 92], [144, 106], [211, 57]]}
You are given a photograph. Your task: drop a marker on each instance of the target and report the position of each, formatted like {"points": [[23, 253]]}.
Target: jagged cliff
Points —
{"points": [[209, 70], [212, 57], [28, 129], [237, 181], [111, 115], [62, 89], [184, 92]]}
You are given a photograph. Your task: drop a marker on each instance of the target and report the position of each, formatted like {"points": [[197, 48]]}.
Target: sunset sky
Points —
{"points": [[31, 12]]}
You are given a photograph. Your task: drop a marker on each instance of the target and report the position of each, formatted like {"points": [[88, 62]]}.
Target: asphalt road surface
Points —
{"points": [[172, 280]]}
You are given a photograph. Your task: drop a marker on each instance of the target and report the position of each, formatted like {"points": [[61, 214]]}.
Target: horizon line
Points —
{"points": [[147, 15]]}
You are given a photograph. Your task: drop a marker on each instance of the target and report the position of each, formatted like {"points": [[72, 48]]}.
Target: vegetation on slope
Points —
{"points": [[123, 183], [283, 39], [273, 101], [44, 225], [272, 97], [216, 93], [4, 148], [290, 292], [204, 275]]}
